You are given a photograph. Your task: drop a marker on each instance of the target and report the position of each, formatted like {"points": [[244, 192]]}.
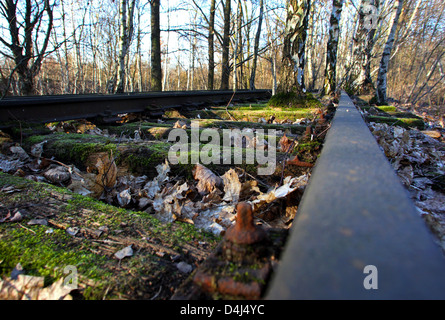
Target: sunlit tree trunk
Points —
{"points": [[126, 32], [156, 67], [383, 69], [361, 82], [165, 86], [332, 46], [211, 72], [225, 68], [235, 45], [292, 70]]}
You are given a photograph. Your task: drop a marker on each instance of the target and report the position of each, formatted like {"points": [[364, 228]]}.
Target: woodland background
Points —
{"points": [[107, 46]]}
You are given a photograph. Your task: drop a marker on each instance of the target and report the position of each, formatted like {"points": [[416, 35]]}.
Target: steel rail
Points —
{"points": [[355, 213], [69, 107]]}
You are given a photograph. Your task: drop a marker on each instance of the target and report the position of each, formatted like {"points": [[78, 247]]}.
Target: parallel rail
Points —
{"points": [[355, 213], [69, 107]]}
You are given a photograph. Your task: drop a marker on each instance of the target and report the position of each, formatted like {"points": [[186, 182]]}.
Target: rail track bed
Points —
{"points": [[138, 227]]}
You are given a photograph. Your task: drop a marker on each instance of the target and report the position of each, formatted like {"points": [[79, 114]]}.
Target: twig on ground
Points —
{"points": [[231, 117]]}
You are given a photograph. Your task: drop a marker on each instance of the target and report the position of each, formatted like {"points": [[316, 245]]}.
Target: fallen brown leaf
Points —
{"points": [[208, 181]]}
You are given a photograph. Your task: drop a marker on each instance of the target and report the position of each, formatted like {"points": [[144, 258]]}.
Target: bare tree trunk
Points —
{"points": [[121, 73], [235, 46], [191, 72], [256, 45], [32, 17], [292, 70], [138, 53], [65, 68], [225, 69], [310, 42], [165, 79], [332, 46], [361, 82], [126, 32], [156, 66], [383, 69], [77, 38], [211, 72]]}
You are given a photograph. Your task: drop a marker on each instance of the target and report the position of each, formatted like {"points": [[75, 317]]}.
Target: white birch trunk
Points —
{"points": [[292, 74], [126, 31], [383, 69], [332, 46], [361, 81], [165, 80]]}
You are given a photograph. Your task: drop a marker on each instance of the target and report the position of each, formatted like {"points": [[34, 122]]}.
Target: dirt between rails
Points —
{"points": [[70, 199]]}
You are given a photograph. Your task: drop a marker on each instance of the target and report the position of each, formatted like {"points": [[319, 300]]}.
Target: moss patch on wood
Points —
{"points": [[293, 100], [403, 122]]}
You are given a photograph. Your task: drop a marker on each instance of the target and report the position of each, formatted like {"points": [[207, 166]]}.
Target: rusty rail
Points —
{"points": [[69, 107], [357, 234]]}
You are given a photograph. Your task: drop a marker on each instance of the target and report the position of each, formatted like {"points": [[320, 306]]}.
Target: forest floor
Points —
{"points": [[413, 140], [98, 212]]}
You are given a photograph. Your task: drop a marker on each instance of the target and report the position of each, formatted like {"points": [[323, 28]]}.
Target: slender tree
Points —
{"points": [[330, 75], [225, 68], [126, 34], [211, 72], [156, 66], [236, 44], [383, 69]]}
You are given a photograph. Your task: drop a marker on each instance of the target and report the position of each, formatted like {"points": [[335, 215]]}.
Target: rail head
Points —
{"points": [[357, 234], [69, 107]]}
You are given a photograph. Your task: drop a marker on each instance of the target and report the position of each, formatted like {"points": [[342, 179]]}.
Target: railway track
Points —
{"points": [[357, 234], [107, 107]]}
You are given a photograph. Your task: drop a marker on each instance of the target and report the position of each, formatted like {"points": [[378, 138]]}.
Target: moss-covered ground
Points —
{"points": [[102, 229], [45, 250], [389, 115]]}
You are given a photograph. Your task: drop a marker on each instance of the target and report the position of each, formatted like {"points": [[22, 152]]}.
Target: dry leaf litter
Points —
{"points": [[208, 201], [419, 161]]}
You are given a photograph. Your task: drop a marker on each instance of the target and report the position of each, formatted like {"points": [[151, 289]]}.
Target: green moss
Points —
{"points": [[308, 146], [387, 108], [72, 147], [143, 159], [403, 122], [247, 277], [129, 128], [293, 100], [26, 129], [255, 115], [223, 124], [47, 254]]}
